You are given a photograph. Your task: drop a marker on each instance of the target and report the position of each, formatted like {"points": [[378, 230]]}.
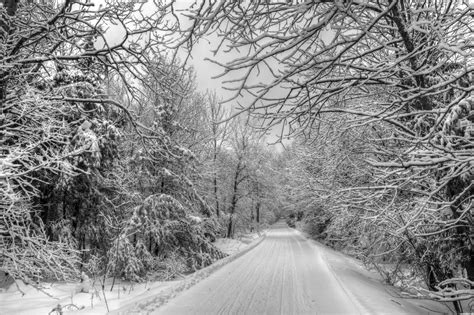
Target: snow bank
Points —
{"points": [[71, 301], [229, 246], [125, 296], [232, 246], [147, 305], [368, 289]]}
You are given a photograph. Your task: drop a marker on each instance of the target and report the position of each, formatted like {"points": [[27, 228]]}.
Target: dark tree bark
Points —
{"points": [[258, 212], [10, 7], [237, 180], [216, 197]]}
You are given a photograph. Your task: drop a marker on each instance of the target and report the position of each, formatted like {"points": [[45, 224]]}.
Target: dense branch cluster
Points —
{"points": [[103, 141], [113, 163], [383, 89]]}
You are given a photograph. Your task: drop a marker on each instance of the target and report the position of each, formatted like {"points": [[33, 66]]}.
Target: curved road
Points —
{"points": [[288, 274]]}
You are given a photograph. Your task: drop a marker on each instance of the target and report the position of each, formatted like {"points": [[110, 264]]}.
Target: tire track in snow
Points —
{"points": [[250, 275], [285, 274], [266, 280], [255, 300], [245, 274]]}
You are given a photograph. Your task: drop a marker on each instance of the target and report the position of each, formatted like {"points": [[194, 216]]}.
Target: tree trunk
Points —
{"points": [[233, 203], [258, 213], [454, 191], [215, 194], [397, 16], [10, 7], [230, 230]]}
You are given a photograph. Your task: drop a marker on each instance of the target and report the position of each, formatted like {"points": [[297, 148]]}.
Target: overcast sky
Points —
{"points": [[205, 70]]}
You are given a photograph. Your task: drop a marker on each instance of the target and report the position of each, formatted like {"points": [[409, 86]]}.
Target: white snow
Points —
{"points": [[124, 294], [289, 274], [35, 302], [232, 246], [284, 273]]}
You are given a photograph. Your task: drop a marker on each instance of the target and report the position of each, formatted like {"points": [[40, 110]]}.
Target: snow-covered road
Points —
{"points": [[288, 274]]}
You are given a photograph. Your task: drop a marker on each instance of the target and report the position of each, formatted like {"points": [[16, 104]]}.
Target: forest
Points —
{"points": [[114, 164]]}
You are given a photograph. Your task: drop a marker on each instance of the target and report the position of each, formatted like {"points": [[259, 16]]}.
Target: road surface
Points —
{"points": [[289, 274]]}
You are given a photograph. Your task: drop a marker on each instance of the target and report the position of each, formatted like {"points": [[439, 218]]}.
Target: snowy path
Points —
{"points": [[288, 274]]}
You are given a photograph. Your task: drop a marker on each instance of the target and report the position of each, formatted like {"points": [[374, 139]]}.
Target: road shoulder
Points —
{"points": [[367, 289], [150, 303]]}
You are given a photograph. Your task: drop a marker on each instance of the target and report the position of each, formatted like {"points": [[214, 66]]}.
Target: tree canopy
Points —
{"points": [[114, 164], [378, 95]]}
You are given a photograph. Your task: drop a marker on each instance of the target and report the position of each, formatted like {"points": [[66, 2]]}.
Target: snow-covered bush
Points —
{"points": [[27, 253], [161, 232]]}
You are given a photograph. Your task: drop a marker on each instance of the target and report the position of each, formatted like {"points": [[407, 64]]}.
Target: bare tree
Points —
{"points": [[219, 133], [55, 114], [404, 65]]}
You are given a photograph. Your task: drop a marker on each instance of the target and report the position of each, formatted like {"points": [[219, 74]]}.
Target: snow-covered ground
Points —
{"points": [[232, 246], [35, 302], [284, 273], [29, 300], [289, 274], [369, 291]]}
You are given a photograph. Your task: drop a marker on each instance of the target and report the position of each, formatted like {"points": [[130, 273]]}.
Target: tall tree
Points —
{"points": [[219, 129], [400, 64], [59, 128]]}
